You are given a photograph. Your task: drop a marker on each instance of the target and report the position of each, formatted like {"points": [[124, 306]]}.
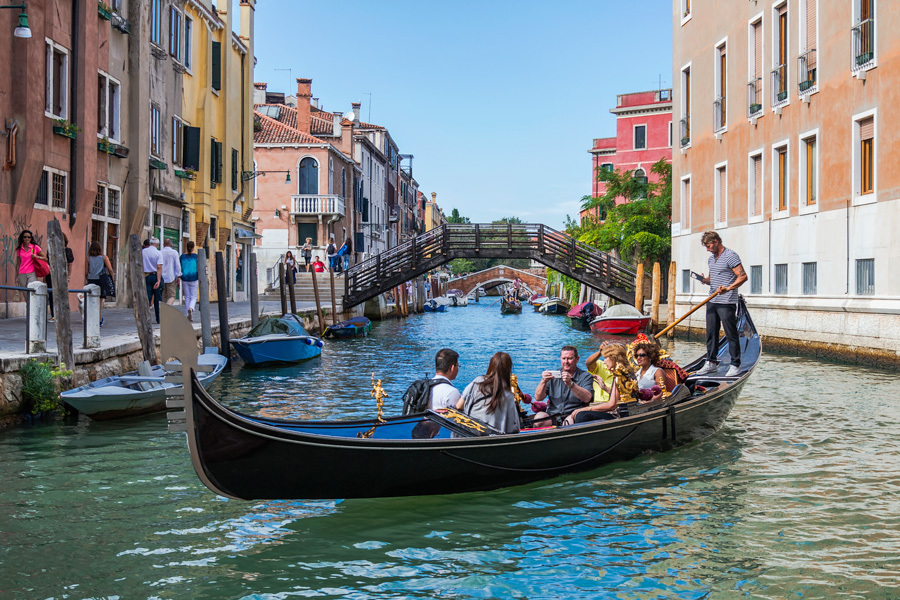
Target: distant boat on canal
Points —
{"points": [[509, 306], [355, 327], [278, 340], [434, 306], [554, 306], [621, 319]]}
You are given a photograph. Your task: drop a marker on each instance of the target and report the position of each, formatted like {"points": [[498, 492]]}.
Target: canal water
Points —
{"points": [[797, 497]]}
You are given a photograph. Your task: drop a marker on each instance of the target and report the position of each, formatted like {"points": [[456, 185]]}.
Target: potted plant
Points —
{"points": [[755, 108], [65, 128], [104, 10], [186, 173], [104, 145]]}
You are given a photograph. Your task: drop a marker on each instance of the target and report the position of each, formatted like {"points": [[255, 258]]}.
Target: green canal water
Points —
{"points": [[797, 497]]}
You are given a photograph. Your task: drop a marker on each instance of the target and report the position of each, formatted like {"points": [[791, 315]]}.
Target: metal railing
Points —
{"points": [[317, 204], [863, 44], [779, 85], [719, 114], [754, 97], [806, 71], [685, 130], [43, 307]]}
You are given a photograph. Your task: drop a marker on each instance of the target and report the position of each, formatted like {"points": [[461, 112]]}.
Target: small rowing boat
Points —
{"points": [[278, 340], [355, 327]]}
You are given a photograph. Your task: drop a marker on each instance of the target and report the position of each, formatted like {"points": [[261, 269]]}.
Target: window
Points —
{"points": [[178, 127], [155, 140], [755, 186], [721, 194], [308, 180], [806, 62], [56, 97], [756, 279], [686, 281], [809, 171], [108, 107], [640, 137], [865, 276], [156, 22], [343, 182], [213, 227], [216, 66], [809, 279], [781, 178], [685, 203], [215, 162], [188, 42], [175, 48], [235, 175], [255, 187], [719, 104], [866, 129], [780, 72], [685, 9], [685, 106], [781, 279], [608, 167], [863, 35], [330, 175], [105, 221], [670, 134], [53, 190], [754, 88]]}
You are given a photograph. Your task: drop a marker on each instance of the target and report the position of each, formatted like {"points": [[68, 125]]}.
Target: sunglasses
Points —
{"points": [[641, 354]]}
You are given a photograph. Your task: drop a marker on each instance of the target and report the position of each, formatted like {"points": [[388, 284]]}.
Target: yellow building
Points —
{"points": [[434, 217], [215, 131]]}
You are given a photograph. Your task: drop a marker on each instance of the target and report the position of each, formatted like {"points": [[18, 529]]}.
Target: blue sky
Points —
{"points": [[498, 101]]}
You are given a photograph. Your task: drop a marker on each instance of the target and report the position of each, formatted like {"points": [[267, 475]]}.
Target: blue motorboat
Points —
{"points": [[355, 327], [278, 339], [435, 306]]}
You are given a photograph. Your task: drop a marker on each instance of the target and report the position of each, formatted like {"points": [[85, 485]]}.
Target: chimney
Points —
{"points": [[433, 197], [304, 95], [259, 93], [357, 110], [336, 128], [315, 103]]}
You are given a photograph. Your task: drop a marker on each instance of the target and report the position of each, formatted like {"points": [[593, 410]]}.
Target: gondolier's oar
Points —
{"points": [[685, 315]]}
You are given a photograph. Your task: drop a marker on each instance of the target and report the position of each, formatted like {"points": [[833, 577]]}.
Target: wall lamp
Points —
{"points": [[22, 30], [248, 175]]}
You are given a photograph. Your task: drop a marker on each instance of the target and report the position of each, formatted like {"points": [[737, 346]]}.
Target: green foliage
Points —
{"points": [[461, 265], [455, 218], [40, 385], [641, 227], [504, 220]]}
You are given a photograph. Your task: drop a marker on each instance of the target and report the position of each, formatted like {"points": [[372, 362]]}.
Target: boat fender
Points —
{"points": [[320, 343]]}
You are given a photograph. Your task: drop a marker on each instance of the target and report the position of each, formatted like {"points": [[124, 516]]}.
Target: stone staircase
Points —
{"points": [[303, 289]]}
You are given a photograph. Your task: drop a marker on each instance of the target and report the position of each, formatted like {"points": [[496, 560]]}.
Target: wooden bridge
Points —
{"points": [[555, 249]]}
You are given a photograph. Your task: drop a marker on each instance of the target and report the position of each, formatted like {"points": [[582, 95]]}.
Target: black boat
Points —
{"points": [[510, 305], [242, 456]]}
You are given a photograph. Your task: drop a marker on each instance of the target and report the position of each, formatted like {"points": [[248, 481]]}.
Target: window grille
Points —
{"points": [[781, 279], [809, 279], [865, 276], [756, 279]]}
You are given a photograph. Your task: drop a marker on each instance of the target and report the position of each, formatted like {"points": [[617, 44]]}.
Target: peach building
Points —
{"points": [[779, 148]]}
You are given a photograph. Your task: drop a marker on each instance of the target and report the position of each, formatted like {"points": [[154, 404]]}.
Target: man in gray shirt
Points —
{"points": [[726, 275], [566, 389]]}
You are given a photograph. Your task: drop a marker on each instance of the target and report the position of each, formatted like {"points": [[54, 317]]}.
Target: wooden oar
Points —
{"points": [[685, 315]]}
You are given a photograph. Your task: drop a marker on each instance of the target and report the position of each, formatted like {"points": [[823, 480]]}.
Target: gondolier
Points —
{"points": [[726, 275]]}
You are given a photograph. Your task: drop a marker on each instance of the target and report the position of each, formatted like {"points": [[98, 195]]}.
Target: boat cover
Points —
{"points": [[621, 311], [286, 325]]}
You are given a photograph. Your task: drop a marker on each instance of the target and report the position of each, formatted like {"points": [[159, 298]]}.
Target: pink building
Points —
{"points": [[643, 136]]}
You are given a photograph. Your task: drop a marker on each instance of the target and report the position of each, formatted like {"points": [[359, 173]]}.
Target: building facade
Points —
{"points": [[784, 151]]}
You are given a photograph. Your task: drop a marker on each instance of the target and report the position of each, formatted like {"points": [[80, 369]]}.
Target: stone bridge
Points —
{"points": [[497, 275]]}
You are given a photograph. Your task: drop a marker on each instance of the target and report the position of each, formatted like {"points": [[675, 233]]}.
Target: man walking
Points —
{"points": [[171, 271], [150, 260], [726, 275]]}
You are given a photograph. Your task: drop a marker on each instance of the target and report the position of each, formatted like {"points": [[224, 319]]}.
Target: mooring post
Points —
{"points": [[318, 302], [36, 323], [291, 281], [222, 301], [254, 292], [281, 290], [205, 317], [333, 300], [670, 318], [59, 270], [92, 316], [639, 288], [654, 297]]}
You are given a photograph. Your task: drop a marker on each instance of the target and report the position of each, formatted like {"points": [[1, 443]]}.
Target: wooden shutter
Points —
{"points": [[757, 50], [220, 158], [867, 128], [191, 147], [782, 35], [234, 169], [758, 192], [811, 24], [216, 66], [865, 9], [723, 195]]}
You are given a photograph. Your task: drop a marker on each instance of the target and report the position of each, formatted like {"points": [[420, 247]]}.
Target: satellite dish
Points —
{"points": [[351, 116]]}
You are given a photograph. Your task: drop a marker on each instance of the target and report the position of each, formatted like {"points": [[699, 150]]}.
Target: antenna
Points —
{"points": [[369, 94]]}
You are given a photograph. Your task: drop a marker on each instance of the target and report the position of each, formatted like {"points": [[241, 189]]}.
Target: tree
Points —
{"points": [[455, 218], [640, 227], [504, 220]]}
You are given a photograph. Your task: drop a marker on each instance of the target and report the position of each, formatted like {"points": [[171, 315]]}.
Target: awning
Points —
{"points": [[245, 234]]}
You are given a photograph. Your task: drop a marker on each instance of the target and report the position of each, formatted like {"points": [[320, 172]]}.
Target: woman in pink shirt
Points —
{"points": [[26, 252]]}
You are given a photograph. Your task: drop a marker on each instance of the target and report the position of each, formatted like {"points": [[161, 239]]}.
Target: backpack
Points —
{"points": [[417, 395]]}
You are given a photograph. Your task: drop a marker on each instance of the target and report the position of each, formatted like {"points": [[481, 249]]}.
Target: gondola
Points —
{"points": [[355, 327], [510, 306], [247, 457]]}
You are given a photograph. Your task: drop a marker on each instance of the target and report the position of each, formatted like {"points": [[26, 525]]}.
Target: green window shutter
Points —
{"points": [[212, 163], [216, 65], [234, 169], [219, 159], [191, 141]]}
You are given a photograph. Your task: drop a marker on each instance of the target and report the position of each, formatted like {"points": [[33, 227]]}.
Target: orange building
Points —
{"points": [[784, 111]]}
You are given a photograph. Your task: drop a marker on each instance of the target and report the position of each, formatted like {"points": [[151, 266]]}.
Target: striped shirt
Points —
{"points": [[721, 274]]}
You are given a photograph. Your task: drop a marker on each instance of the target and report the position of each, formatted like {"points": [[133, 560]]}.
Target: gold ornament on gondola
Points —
{"points": [[517, 393], [379, 394]]}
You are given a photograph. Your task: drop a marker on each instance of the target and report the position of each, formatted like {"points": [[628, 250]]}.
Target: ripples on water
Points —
{"points": [[798, 496]]}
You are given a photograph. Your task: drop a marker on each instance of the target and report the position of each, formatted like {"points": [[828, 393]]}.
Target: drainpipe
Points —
{"points": [[73, 110]]}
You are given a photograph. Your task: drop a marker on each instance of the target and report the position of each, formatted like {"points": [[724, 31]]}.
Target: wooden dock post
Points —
{"points": [[654, 297], [318, 303], [639, 288], [222, 301], [139, 301], [281, 290], [60, 280], [670, 318], [334, 314], [205, 316], [254, 292], [291, 281]]}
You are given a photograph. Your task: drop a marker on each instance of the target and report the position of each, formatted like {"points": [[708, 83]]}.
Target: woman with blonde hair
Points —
{"points": [[490, 398], [623, 388], [306, 252]]}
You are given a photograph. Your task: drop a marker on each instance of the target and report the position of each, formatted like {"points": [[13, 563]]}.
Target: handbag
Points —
{"points": [[41, 268], [107, 285]]}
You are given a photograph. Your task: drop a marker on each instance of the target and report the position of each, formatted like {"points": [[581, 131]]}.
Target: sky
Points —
{"points": [[498, 101]]}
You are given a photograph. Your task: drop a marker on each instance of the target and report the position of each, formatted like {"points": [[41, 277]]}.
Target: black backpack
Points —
{"points": [[415, 400]]}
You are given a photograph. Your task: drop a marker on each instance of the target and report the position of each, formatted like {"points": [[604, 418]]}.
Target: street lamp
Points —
{"points": [[248, 175], [22, 30]]}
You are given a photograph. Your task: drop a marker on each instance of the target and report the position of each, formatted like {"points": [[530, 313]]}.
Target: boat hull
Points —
{"points": [[510, 308], [620, 325], [554, 307], [255, 352]]}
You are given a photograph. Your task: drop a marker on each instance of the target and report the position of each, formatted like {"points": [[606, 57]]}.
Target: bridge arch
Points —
{"points": [[498, 274]]}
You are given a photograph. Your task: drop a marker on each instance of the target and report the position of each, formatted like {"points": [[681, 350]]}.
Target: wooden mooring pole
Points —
{"points": [[139, 301], [222, 302], [291, 283], [334, 314], [318, 302], [670, 317], [60, 280], [654, 297], [639, 288], [254, 292], [281, 290], [205, 316]]}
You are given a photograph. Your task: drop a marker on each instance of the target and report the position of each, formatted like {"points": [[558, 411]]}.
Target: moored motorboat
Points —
{"points": [[438, 452], [621, 319], [277, 340], [581, 315], [536, 298], [355, 327], [457, 298], [554, 306], [138, 392], [510, 306], [434, 306]]}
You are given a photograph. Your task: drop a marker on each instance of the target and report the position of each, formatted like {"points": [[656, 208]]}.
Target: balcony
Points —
{"points": [[685, 131], [754, 98], [863, 45], [779, 85], [317, 204], [807, 72], [719, 114]]}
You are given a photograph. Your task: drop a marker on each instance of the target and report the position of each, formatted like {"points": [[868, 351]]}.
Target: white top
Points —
{"points": [[150, 258], [442, 395], [648, 379], [169, 259]]}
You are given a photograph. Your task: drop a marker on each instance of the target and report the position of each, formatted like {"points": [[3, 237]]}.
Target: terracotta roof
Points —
{"points": [[260, 86], [275, 132], [320, 125], [286, 114]]}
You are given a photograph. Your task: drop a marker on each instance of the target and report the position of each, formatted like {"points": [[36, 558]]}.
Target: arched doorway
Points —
{"points": [[308, 179]]}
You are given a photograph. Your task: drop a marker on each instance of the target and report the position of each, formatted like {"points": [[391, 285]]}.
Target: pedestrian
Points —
{"points": [[427, 289], [330, 253], [70, 258], [171, 271], [26, 255], [190, 279], [152, 273], [290, 267], [306, 251], [348, 250], [96, 266], [318, 266], [726, 275]]}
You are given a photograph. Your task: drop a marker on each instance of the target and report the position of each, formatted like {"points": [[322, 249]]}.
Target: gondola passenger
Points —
{"points": [[565, 390], [651, 380], [623, 389], [489, 397]]}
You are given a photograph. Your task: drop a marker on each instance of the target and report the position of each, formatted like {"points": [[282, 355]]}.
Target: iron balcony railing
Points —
{"points": [[317, 204], [779, 85], [719, 114], [806, 71], [863, 44], [685, 130], [754, 97]]}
